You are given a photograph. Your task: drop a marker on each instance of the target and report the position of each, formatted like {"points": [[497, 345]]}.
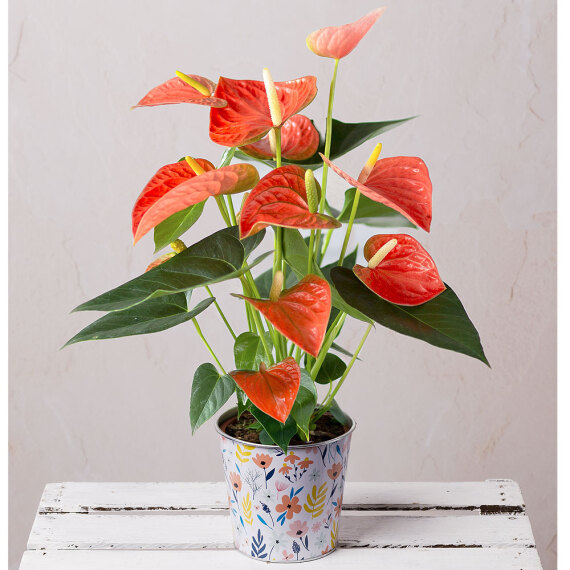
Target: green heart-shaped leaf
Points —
{"points": [[216, 258], [210, 391], [442, 321], [345, 137], [248, 352], [305, 403], [176, 225], [152, 316], [280, 434], [331, 369]]}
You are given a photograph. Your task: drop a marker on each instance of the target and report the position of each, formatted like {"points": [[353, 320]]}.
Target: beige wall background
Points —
{"points": [[482, 75]]}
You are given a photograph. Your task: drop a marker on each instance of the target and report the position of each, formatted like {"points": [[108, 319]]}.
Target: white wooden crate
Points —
{"points": [[171, 526]]}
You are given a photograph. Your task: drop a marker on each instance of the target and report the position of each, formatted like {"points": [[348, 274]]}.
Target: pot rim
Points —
{"points": [[233, 411]]}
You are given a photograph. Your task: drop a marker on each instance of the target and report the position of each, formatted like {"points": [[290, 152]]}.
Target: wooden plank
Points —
{"points": [[494, 496], [183, 531], [364, 559]]}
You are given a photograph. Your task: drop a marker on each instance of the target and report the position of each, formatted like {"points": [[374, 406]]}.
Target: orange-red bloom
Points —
{"points": [[177, 91], [280, 199], [262, 460], [273, 390], [176, 186], [338, 41], [407, 275], [401, 183], [301, 313], [299, 141], [160, 260], [291, 506], [247, 118]]}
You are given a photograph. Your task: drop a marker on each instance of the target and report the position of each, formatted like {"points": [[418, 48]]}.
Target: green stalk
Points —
{"points": [[201, 335], [221, 313], [327, 342], [329, 400], [326, 246], [327, 153], [349, 227], [223, 210], [256, 318], [311, 246], [232, 212]]}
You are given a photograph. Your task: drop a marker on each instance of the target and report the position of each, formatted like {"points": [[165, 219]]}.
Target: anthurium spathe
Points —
{"points": [[300, 313], [273, 390], [401, 183], [299, 141], [177, 186], [176, 90], [247, 116], [280, 198], [338, 41], [400, 270]]}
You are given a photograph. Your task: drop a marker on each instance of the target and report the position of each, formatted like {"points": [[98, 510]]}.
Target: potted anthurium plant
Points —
{"points": [[284, 451]]}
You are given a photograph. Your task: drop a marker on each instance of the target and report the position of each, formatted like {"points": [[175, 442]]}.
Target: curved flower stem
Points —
{"points": [[349, 227], [325, 246], [256, 318], [327, 342], [223, 210], [201, 335], [232, 212], [329, 400], [311, 246], [221, 313], [328, 139]]}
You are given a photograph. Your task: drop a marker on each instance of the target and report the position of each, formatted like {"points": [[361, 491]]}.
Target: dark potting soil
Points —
{"points": [[327, 428]]}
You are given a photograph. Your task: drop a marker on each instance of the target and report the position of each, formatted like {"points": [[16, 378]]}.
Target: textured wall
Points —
{"points": [[482, 76]]}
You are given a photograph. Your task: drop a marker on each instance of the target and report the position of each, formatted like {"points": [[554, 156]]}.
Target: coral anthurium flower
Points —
{"points": [[299, 141], [400, 270], [338, 41], [247, 117], [273, 390], [300, 313], [160, 260], [176, 186], [280, 198], [176, 90], [401, 183]]}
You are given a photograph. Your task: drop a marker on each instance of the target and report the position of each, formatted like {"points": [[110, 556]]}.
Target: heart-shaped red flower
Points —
{"points": [[401, 183], [273, 390], [299, 141], [177, 91], [301, 313], [176, 186], [280, 199], [247, 118], [406, 276], [338, 41]]}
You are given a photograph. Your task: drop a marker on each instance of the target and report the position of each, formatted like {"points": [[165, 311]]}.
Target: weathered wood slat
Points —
{"points": [[488, 496], [183, 531], [368, 559]]}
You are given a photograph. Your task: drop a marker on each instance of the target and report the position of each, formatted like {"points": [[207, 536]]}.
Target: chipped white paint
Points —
{"points": [[172, 525]]}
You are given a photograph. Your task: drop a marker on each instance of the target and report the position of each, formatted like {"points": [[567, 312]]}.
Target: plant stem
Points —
{"points": [[221, 313], [311, 246], [329, 400], [223, 211], [201, 335], [326, 245], [327, 342], [256, 318], [232, 212], [328, 139], [349, 227]]}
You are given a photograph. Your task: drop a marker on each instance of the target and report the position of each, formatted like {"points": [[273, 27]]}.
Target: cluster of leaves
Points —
{"points": [[297, 309]]}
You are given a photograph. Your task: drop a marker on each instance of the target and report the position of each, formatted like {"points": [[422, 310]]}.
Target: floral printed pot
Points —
{"points": [[284, 507]]}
